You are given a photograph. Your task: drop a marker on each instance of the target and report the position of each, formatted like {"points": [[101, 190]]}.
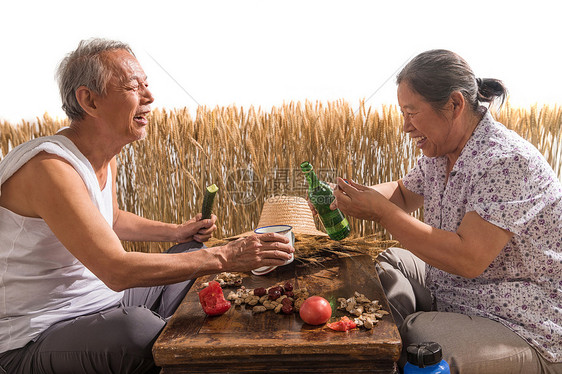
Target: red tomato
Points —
{"points": [[344, 324], [315, 310], [212, 299]]}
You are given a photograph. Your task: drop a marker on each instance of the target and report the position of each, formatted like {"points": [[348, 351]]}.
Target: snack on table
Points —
{"points": [[277, 298], [285, 299], [366, 312], [227, 280], [212, 300], [344, 324]]}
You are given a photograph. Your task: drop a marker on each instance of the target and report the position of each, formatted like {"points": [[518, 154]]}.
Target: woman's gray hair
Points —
{"points": [[437, 73], [85, 67]]}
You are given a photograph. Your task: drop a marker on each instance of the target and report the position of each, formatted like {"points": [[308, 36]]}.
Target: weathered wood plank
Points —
{"points": [[241, 341]]}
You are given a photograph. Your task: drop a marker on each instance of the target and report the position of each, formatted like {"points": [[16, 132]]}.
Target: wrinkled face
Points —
{"points": [[431, 130], [126, 105]]}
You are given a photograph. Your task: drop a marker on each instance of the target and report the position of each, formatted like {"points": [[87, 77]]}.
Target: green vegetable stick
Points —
{"points": [[208, 201]]}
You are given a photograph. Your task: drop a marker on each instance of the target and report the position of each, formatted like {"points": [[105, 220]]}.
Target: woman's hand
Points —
{"points": [[255, 251], [196, 229], [359, 201]]}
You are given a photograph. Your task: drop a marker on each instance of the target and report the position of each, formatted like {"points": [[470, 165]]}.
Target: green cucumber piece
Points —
{"points": [[208, 200]]}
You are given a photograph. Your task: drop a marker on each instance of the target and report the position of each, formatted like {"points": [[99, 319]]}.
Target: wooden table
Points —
{"points": [[243, 341]]}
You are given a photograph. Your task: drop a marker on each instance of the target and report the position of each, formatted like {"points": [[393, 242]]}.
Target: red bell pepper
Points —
{"points": [[212, 299], [344, 324]]}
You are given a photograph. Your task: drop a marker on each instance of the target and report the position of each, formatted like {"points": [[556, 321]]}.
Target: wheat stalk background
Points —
{"points": [[251, 154]]}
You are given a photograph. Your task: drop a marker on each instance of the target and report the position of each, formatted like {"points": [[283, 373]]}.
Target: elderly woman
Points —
{"points": [[72, 300], [481, 275]]}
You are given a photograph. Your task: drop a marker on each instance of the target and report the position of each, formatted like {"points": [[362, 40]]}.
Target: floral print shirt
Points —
{"points": [[506, 180]]}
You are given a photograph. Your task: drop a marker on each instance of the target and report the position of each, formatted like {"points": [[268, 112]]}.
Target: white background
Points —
{"points": [[264, 53]]}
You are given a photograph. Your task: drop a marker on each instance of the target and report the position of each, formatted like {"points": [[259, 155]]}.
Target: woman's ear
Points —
{"points": [[86, 99], [458, 103]]}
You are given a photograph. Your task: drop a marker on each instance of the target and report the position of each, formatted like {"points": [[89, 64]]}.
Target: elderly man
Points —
{"points": [[72, 300]]}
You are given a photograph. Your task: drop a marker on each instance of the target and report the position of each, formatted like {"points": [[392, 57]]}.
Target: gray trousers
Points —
{"points": [[117, 340], [470, 344]]}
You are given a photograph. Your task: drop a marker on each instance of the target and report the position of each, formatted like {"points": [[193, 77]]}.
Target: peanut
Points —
{"points": [[259, 309]]}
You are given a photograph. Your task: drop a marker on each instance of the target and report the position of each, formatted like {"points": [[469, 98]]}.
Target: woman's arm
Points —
{"points": [[399, 195], [466, 252]]}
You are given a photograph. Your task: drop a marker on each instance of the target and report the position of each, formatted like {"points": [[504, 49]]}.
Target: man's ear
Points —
{"points": [[86, 99], [458, 103]]}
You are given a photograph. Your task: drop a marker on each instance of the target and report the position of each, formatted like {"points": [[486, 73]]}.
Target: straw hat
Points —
{"points": [[287, 210]]}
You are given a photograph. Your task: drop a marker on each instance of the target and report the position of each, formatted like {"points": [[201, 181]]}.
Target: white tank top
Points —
{"points": [[41, 282]]}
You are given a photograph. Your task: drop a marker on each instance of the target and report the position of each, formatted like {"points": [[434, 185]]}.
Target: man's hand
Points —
{"points": [[196, 229], [255, 251]]}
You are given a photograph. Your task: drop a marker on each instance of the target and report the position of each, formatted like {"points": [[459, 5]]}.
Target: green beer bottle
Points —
{"points": [[321, 196]]}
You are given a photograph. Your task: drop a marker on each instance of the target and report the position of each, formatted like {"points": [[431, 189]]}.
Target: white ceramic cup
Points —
{"points": [[284, 230]]}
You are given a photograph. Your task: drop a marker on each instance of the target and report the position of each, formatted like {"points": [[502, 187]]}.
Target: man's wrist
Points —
{"points": [[176, 233], [218, 260]]}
